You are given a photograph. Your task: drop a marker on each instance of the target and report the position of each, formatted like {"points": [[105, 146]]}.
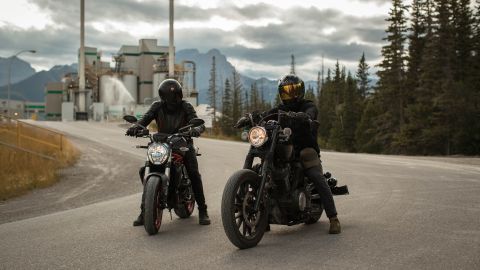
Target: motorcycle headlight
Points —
{"points": [[157, 153], [257, 136]]}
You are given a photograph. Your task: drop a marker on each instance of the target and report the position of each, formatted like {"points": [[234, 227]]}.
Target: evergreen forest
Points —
{"points": [[426, 100]]}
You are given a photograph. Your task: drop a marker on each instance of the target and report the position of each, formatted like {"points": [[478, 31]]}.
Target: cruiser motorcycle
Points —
{"points": [[166, 183], [274, 191]]}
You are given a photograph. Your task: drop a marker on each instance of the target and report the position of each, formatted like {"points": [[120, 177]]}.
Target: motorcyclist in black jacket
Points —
{"points": [[303, 113], [170, 114]]}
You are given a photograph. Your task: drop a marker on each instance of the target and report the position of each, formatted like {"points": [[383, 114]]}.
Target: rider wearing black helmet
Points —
{"points": [[170, 114], [291, 90]]}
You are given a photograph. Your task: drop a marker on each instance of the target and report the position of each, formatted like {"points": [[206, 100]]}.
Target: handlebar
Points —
{"points": [[246, 120]]}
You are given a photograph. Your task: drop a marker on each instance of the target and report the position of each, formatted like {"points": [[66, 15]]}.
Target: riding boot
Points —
{"points": [[139, 221], [203, 218], [334, 226]]}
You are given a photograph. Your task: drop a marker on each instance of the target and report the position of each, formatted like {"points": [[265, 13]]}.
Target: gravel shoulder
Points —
{"points": [[102, 173]]}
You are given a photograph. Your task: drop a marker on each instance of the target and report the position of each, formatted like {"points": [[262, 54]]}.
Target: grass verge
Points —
{"points": [[22, 171]]}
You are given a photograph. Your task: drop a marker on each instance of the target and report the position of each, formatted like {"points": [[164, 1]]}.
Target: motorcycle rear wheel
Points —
{"points": [[313, 218], [153, 211], [243, 227]]}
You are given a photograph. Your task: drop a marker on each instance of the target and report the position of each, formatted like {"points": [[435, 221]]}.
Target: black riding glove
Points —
{"points": [[194, 132], [132, 131], [242, 122], [301, 116]]}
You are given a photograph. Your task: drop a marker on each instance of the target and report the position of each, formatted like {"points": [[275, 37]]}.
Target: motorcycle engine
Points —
{"points": [[299, 200]]}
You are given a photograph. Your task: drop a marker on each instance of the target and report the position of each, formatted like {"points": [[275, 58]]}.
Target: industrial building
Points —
{"points": [[100, 92], [23, 109], [128, 87]]}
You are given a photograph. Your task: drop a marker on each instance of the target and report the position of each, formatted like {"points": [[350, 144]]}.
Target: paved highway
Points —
{"points": [[402, 213]]}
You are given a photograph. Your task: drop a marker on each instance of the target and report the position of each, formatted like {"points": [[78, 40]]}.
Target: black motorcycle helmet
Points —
{"points": [[170, 91], [291, 89]]}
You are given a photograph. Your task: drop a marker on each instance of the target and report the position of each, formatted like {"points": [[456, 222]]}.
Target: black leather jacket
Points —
{"points": [[304, 134], [170, 121]]}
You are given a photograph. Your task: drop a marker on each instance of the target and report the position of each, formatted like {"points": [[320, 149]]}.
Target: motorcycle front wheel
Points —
{"points": [[185, 203], [243, 227], [153, 211]]}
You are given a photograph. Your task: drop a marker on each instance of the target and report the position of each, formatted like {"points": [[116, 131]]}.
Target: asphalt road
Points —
{"points": [[402, 213]]}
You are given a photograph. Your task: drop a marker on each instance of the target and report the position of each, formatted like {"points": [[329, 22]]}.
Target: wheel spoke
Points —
{"points": [[238, 215], [238, 206], [239, 223], [244, 229]]}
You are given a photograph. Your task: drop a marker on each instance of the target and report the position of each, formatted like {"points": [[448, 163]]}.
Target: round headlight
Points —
{"points": [[257, 136], [157, 153]]}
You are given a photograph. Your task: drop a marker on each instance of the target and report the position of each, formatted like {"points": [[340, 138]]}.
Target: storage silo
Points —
{"points": [[104, 83], [130, 82], [157, 79]]}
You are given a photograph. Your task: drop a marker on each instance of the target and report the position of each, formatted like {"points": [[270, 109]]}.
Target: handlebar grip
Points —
{"points": [[141, 146]]}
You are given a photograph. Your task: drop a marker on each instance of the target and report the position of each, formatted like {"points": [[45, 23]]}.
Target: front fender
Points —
{"points": [[164, 179]]}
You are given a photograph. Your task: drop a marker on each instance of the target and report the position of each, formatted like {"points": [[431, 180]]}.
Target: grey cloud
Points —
{"points": [[153, 11], [305, 38], [300, 32], [378, 2]]}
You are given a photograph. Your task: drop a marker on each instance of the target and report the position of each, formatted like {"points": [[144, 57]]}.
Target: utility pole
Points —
{"points": [[171, 51], [81, 83]]}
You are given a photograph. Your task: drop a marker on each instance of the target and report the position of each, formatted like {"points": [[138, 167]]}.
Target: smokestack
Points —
{"points": [[171, 52], [81, 83]]}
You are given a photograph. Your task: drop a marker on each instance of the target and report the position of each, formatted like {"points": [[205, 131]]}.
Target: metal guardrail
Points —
{"points": [[30, 138], [27, 151]]}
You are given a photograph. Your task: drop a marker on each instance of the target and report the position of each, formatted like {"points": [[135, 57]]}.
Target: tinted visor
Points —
{"points": [[290, 91]]}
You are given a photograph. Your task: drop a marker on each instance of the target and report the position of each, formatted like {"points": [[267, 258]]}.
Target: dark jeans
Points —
{"points": [[315, 174], [191, 164]]}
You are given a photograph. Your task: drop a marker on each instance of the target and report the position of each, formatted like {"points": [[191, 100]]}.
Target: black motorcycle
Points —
{"points": [[274, 191], [166, 183]]}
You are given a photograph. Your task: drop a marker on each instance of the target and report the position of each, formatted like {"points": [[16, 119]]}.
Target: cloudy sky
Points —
{"points": [[258, 37]]}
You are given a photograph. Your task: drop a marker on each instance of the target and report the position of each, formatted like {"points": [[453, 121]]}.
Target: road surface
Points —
{"points": [[402, 213]]}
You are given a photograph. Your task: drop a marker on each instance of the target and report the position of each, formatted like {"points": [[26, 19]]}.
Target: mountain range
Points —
{"points": [[20, 70], [29, 85], [33, 87], [224, 70]]}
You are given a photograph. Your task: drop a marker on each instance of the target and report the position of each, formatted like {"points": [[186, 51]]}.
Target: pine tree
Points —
{"points": [[246, 103], [319, 87], [465, 126], [419, 58], [326, 109], [338, 83], [255, 99], [227, 120], [362, 77], [351, 113], [309, 95], [421, 21], [365, 135], [236, 96], [391, 84], [212, 90]]}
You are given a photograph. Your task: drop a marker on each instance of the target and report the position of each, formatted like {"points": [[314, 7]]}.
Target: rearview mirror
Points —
{"points": [[130, 118], [195, 122]]}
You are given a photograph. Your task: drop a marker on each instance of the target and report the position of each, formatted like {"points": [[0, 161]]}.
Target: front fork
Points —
{"points": [[165, 181], [267, 164]]}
